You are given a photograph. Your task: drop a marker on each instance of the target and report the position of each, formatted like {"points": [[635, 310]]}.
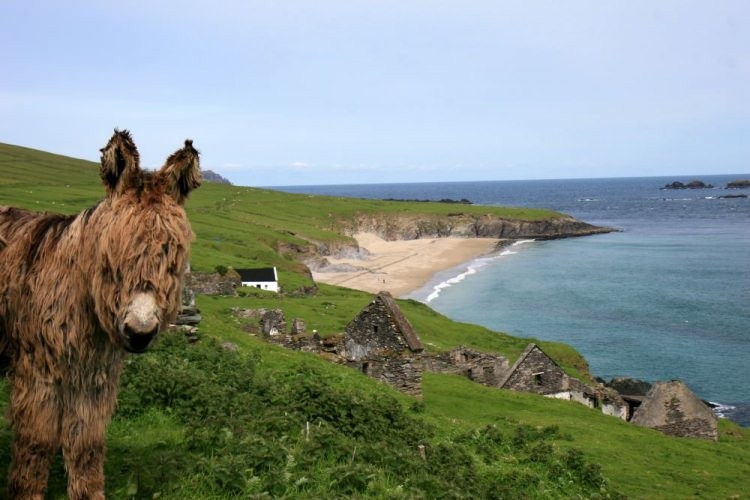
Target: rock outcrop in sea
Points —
{"points": [[690, 185], [739, 184]]}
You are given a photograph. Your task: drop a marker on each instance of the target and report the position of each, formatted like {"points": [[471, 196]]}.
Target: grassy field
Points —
{"points": [[235, 226], [202, 422]]}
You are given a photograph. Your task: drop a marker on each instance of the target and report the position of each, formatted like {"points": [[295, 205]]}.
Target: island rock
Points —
{"points": [[740, 184], [690, 185]]}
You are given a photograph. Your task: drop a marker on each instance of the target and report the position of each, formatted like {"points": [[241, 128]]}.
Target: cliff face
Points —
{"points": [[392, 227], [409, 227]]}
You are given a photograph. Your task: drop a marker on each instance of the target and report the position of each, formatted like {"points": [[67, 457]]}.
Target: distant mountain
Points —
{"points": [[211, 176]]}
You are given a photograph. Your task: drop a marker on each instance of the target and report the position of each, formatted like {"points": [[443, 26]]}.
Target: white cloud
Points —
{"points": [[361, 166]]}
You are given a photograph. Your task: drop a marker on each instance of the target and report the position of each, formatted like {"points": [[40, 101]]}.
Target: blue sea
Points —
{"points": [[667, 297]]}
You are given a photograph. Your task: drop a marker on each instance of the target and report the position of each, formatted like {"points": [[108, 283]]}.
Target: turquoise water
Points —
{"points": [[668, 297]]}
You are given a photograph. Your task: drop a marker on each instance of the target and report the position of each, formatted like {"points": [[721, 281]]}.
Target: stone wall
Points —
{"points": [[188, 318], [688, 427], [213, 283], [328, 346], [613, 404], [267, 322], [483, 368], [189, 314], [402, 372], [298, 326], [387, 359]]}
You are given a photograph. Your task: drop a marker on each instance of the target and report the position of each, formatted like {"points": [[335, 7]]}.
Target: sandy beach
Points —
{"points": [[401, 267]]}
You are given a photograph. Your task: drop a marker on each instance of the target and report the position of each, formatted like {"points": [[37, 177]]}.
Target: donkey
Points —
{"points": [[76, 293]]}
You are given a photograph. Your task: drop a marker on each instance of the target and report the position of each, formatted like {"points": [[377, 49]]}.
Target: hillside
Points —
{"points": [[203, 422], [242, 226]]}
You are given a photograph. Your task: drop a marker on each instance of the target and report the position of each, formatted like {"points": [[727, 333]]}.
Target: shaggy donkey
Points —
{"points": [[76, 292]]}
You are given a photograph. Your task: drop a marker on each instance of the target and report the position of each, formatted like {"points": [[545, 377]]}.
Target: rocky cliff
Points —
{"points": [[409, 227], [393, 227]]}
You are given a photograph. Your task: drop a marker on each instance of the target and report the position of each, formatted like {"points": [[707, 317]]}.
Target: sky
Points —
{"points": [[344, 92]]}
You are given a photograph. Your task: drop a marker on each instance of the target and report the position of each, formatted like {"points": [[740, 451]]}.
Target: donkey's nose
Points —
{"points": [[137, 341], [141, 323]]}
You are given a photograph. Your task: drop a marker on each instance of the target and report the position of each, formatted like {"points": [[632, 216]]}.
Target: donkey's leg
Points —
{"points": [[35, 417], [83, 434]]}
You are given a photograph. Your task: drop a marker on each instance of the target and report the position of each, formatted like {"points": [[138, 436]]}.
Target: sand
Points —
{"points": [[400, 267]]}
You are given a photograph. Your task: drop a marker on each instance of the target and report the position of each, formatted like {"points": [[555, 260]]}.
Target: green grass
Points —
{"points": [[235, 226], [639, 462], [198, 422], [331, 309]]}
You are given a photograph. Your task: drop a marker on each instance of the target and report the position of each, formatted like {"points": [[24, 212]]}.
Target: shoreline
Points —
{"points": [[447, 278], [404, 266]]}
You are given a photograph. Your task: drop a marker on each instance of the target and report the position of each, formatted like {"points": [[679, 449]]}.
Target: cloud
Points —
{"points": [[361, 166], [300, 165]]}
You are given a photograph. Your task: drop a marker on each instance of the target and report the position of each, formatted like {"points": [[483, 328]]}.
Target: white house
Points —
{"points": [[266, 278]]}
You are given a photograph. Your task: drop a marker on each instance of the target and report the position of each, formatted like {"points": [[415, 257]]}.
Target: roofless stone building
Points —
{"points": [[382, 344], [673, 409], [536, 372]]}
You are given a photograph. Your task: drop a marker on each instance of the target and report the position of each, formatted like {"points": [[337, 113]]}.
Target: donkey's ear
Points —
{"points": [[120, 167], [182, 172]]}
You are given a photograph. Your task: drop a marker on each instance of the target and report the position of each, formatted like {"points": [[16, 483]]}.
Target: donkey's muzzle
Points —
{"points": [[141, 323]]}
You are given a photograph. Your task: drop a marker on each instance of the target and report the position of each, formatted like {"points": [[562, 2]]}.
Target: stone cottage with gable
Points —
{"points": [[382, 344], [536, 372], [673, 409]]}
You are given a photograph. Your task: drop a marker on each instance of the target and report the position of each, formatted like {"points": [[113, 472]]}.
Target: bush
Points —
{"points": [[198, 421]]}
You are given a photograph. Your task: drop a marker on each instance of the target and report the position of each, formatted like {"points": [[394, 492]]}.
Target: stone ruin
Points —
{"points": [[382, 344], [189, 317], [673, 409], [213, 283], [270, 324], [298, 326], [480, 367]]}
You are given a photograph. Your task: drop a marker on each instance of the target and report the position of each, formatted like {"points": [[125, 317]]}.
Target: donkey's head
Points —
{"points": [[142, 241]]}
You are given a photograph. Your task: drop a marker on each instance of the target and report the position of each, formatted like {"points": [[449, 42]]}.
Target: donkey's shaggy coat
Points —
{"points": [[76, 292]]}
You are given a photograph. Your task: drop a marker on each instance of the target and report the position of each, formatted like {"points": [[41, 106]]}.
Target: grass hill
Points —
{"points": [[198, 421]]}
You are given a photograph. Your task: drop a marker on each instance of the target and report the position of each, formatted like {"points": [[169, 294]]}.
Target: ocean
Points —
{"points": [[667, 297]]}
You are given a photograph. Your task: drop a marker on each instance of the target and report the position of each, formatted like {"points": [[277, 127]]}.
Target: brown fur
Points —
{"points": [[67, 289]]}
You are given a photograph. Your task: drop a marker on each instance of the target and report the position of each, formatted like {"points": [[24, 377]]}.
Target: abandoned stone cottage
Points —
{"points": [[480, 367], [381, 343], [673, 409], [537, 373]]}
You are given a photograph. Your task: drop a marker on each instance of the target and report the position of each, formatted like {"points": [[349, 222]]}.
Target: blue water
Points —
{"points": [[668, 297]]}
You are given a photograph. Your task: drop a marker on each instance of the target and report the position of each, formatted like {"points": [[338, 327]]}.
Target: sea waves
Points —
{"points": [[473, 267]]}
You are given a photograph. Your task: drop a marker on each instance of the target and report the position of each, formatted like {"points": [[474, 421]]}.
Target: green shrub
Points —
{"points": [[296, 434]]}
